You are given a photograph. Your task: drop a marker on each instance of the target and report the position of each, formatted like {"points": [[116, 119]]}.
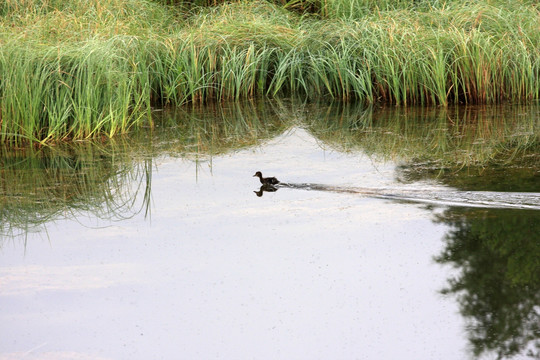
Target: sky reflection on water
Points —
{"points": [[213, 271]]}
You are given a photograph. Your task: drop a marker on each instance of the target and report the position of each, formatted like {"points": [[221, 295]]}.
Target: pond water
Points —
{"points": [[397, 235]]}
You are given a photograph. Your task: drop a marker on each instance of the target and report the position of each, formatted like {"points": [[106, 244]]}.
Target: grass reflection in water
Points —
{"points": [[38, 186], [495, 251], [112, 180], [441, 138], [41, 185]]}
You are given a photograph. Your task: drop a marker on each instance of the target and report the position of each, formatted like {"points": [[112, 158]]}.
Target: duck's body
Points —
{"points": [[267, 180]]}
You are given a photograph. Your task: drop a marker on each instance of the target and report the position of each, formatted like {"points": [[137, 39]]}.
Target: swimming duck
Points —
{"points": [[268, 180]]}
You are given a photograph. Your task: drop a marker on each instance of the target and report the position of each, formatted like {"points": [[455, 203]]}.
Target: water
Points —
{"points": [[159, 247]]}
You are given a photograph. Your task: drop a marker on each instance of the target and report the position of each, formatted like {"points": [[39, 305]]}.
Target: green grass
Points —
{"points": [[84, 69]]}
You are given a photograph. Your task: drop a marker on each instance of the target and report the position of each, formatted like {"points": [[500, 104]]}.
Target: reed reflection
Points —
{"points": [[43, 185], [451, 138], [112, 180]]}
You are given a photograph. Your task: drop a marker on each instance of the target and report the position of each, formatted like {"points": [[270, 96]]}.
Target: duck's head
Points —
{"points": [[258, 173]]}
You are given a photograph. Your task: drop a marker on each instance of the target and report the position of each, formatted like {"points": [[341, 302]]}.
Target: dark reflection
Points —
{"points": [[497, 257], [265, 188], [112, 180], [522, 175], [449, 138], [496, 252], [42, 185]]}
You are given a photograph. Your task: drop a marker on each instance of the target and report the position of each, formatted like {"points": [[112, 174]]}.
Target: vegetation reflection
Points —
{"points": [[112, 180], [497, 255], [38, 186], [203, 131], [496, 251], [449, 138]]}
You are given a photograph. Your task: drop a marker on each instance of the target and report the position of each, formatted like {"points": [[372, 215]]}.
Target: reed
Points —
{"points": [[83, 69], [53, 94]]}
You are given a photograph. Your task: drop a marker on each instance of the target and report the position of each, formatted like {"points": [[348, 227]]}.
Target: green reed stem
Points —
{"points": [[83, 69]]}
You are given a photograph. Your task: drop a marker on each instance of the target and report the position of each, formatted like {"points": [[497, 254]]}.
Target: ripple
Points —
{"points": [[487, 199]]}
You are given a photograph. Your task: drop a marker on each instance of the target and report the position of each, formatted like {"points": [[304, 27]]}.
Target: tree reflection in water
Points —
{"points": [[497, 254]]}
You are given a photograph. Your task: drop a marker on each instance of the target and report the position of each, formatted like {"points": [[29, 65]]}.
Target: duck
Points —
{"points": [[267, 180]]}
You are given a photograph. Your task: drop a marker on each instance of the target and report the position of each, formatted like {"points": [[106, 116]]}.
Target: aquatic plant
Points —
{"points": [[83, 69]]}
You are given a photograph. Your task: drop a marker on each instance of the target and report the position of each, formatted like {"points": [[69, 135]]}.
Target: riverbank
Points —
{"points": [[83, 69]]}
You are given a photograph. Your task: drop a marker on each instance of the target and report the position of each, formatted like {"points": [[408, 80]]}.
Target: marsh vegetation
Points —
{"points": [[86, 69]]}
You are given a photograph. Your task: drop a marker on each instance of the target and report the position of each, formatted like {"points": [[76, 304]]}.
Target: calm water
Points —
{"points": [[402, 236]]}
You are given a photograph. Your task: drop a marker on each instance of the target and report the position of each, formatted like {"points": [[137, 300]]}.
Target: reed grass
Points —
{"points": [[84, 69]]}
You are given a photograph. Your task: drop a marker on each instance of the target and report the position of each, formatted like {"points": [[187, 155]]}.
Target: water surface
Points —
{"points": [[158, 246]]}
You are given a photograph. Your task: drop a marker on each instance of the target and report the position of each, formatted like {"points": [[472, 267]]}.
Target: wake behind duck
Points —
{"points": [[450, 197]]}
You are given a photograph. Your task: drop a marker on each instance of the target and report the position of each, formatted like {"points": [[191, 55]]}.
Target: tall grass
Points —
{"points": [[55, 94], [82, 69]]}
